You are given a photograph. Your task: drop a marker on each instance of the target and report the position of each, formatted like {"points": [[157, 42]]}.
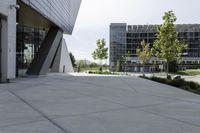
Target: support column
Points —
{"points": [[8, 41], [42, 61], [62, 62]]}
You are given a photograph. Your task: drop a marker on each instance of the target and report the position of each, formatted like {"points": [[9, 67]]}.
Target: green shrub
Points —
{"points": [[180, 83], [193, 85], [90, 72], [169, 77], [177, 82], [145, 77], [158, 79], [186, 88], [105, 73]]}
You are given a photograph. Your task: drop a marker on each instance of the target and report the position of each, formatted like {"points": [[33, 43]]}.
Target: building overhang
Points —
{"points": [[27, 16], [61, 13]]}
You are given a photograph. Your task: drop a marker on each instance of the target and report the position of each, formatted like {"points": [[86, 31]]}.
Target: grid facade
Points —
{"points": [[118, 42], [134, 34]]}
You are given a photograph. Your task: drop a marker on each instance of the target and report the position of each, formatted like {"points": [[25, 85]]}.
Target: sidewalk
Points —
{"points": [[96, 104]]}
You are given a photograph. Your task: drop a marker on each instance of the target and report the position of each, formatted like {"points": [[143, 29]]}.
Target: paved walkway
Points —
{"points": [[95, 104], [192, 78]]}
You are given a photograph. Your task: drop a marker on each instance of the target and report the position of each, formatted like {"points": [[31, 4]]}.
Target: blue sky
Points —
{"points": [[95, 16]]}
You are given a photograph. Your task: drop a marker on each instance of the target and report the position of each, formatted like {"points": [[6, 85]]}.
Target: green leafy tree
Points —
{"points": [[73, 60], [101, 53], [82, 63], [93, 64], [144, 53], [167, 47]]}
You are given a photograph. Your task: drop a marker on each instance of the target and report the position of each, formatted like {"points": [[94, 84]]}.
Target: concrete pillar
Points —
{"points": [[8, 40], [62, 62], [43, 60]]}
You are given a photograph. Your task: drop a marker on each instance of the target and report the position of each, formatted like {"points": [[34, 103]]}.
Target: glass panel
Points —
{"points": [[28, 43]]}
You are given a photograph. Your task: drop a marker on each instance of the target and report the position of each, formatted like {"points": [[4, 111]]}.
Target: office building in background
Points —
{"points": [[127, 38]]}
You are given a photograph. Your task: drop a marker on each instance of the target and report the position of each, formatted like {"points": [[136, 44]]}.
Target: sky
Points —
{"points": [[95, 17]]}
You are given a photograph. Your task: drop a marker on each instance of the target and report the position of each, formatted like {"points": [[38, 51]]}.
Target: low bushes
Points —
{"points": [[180, 83], [99, 72]]}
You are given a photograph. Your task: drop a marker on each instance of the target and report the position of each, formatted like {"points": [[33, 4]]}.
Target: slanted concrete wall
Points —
{"points": [[8, 39], [62, 62], [43, 59]]}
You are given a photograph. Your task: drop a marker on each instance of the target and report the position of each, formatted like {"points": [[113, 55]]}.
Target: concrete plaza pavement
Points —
{"points": [[96, 104]]}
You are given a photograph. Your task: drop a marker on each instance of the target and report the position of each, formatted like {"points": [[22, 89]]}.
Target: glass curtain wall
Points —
{"points": [[28, 43]]}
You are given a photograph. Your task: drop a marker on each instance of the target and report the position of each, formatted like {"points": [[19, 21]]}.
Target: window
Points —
{"points": [[28, 43]]}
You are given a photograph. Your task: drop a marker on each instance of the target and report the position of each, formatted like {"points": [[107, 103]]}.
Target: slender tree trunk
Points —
{"points": [[143, 67], [100, 69], [167, 68]]}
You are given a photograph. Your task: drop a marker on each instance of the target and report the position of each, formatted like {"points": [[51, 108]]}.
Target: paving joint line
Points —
{"points": [[40, 112], [126, 107], [168, 117]]}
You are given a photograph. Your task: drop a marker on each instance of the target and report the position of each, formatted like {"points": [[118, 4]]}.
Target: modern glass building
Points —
{"points": [[31, 36], [127, 38]]}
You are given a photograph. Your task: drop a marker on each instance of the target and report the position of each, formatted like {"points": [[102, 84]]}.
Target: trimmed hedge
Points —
{"points": [[180, 83], [104, 73]]}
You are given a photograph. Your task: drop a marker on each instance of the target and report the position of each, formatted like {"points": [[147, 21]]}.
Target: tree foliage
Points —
{"points": [[82, 63], [73, 60], [144, 52], [93, 64], [167, 47], [101, 52]]}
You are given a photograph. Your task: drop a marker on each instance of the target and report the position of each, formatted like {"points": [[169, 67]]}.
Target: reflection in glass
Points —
{"points": [[28, 43]]}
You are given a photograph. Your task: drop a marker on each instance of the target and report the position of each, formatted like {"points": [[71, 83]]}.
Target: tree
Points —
{"points": [[144, 53], [101, 53], [73, 60], [167, 47], [93, 64], [82, 63], [118, 66], [173, 66]]}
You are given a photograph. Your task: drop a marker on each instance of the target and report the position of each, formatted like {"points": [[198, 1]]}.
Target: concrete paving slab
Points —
{"points": [[32, 127], [139, 100], [96, 104], [125, 121], [15, 112], [72, 107], [183, 111]]}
